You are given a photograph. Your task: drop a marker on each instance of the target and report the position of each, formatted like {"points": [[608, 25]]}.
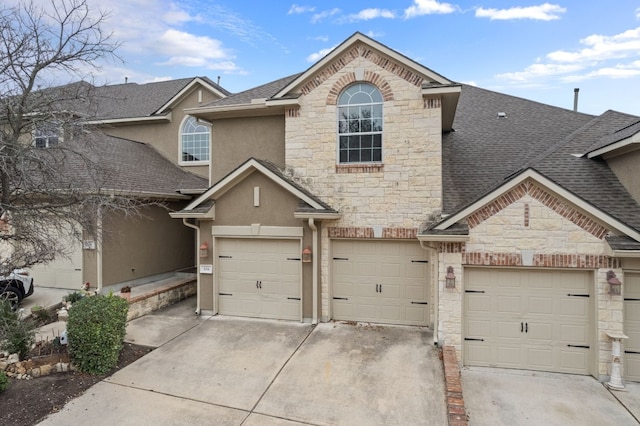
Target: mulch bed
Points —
{"points": [[27, 402]]}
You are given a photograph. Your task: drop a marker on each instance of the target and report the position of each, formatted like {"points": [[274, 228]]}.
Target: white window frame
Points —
{"points": [[181, 132], [47, 131], [380, 132]]}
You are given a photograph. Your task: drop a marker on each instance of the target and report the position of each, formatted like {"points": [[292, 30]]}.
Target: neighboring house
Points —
{"points": [[371, 188], [148, 149]]}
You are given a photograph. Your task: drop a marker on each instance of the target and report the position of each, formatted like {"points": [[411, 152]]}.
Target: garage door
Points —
{"points": [[259, 278], [64, 272], [380, 281], [528, 319], [632, 326]]}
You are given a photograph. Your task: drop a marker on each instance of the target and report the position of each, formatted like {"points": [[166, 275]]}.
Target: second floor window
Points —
{"points": [[194, 141], [360, 124], [46, 135]]}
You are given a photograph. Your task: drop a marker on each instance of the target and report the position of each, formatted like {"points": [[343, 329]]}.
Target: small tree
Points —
{"points": [[51, 180], [16, 334]]}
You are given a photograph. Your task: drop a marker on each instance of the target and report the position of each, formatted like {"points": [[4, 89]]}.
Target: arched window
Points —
{"points": [[360, 124], [194, 141]]}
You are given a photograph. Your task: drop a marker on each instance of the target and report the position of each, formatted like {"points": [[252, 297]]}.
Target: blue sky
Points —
{"points": [[533, 49]]}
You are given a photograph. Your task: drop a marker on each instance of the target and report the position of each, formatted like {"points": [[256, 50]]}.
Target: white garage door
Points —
{"points": [[380, 281], [528, 319], [64, 272], [632, 326], [259, 278]]}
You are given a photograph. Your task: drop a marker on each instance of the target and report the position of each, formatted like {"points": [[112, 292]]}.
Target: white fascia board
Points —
{"points": [[145, 194], [191, 191], [345, 45], [284, 102], [626, 253], [249, 167], [166, 117], [443, 238], [532, 174], [186, 215], [319, 216], [224, 108], [186, 89], [441, 90], [635, 139]]}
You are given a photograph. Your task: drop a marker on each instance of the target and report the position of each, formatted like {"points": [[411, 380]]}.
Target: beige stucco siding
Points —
{"points": [[137, 247], [408, 189], [234, 140], [626, 169], [165, 136], [236, 208]]}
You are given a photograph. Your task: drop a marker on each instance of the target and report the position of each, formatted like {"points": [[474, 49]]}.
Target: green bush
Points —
{"points": [[16, 335], [74, 297], [4, 381], [96, 330]]}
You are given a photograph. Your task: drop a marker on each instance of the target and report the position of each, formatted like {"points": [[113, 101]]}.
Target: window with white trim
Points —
{"points": [[194, 141], [360, 124], [46, 135]]}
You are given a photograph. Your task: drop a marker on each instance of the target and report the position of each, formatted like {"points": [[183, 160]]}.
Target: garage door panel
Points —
{"points": [[527, 319], [259, 278], [379, 281]]}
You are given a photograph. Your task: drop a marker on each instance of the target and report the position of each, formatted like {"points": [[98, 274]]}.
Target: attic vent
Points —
{"points": [[502, 115]]}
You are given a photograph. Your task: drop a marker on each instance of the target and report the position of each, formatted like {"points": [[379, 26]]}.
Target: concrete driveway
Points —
{"points": [[495, 396], [234, 371]]}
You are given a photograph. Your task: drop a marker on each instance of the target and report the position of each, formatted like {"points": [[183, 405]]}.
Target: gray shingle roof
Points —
{"points": [[623, 243], [265, 91], [124, 165], [617, 136]]}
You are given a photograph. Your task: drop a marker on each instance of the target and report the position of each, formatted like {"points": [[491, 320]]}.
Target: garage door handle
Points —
{"points": [[340, 258], [473, 339], [577, 295], [293, 298], [474, 291], [340, 298], [293, 258], [225, 294], [419, 303], [632, 352], [77, 269], [579, 346], [521, 327], [225, 257], [631, 300], [419, 261]]}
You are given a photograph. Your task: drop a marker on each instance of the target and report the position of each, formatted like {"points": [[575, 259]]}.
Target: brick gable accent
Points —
{"points": [[349, 78], [362, 50], [359, 232], [551, 201]]}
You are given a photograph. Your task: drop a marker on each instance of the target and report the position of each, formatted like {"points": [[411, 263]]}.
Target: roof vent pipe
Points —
{"points": [[218, 81], [575, 98]]}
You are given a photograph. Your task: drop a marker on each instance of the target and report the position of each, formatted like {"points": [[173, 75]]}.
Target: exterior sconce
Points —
{"points": [[450, 278], [614, 283], [204, 249], [306, 255]]}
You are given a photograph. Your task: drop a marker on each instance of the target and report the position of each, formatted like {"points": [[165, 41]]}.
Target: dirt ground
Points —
{"points": [[26, 402]]}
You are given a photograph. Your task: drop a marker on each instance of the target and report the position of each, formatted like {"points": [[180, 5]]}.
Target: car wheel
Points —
{"points": [[11, 295], [30, 292]]}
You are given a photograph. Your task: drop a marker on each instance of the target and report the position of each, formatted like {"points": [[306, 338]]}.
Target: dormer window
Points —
{"points": [[194, 142], [360, 124], [46, 135]]}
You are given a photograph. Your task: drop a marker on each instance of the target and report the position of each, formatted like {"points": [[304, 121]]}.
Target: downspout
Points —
{"points": [[314, 280], [197, 228], [436, 309], [99, 251]]}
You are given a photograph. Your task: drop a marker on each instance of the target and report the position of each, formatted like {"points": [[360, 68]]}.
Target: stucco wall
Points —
{"points": [[234, 140], [137, 247], [626, 169], [165, 137]]}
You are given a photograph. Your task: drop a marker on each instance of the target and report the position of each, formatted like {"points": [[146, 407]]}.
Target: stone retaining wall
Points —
{"points": [[160, 297]]}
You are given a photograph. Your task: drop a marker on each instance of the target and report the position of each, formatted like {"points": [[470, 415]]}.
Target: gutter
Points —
{"points": [[433, 251], [198, 292], [314, 281]]}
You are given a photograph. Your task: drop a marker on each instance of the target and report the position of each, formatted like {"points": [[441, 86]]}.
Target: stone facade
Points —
{"points": [[527, 232]]}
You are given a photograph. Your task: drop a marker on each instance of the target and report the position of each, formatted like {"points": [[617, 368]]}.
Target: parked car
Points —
{"points": [[15, 287]]}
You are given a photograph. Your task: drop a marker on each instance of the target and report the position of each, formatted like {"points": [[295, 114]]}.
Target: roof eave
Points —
{"points": [[452, 238], [130, 120], [626, 253], [318, 215], [185, 90], [449, 95]]}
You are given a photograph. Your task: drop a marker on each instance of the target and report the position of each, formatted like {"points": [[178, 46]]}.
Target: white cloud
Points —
{"points": [[320, 38], [319, 54], [189, 50], [638, 13], [428, 7], [324, 14], [602, 47], [539, 70], [296, 10], [374, 34], [367, 14], [543, 12], [177, 16]]}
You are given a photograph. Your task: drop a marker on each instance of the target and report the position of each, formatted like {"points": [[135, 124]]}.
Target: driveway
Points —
{"points": [[495, 396], [234, 371]]}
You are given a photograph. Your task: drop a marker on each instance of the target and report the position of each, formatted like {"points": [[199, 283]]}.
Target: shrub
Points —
{"points": [[96, 330], [73, 297], [41, 315], [16, 335], [4, 381]]}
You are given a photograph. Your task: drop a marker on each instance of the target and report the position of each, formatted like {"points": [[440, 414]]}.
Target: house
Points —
{"points": [[371, 188], [150, 150]]}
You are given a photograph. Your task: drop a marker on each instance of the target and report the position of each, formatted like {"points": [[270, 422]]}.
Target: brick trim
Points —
{"points": [[350, 78], [581, 261], [368, 53], [367, 233], [456, 411], [432, 103], [293, 112], [359, 168], [451, 247], [538, 193]]}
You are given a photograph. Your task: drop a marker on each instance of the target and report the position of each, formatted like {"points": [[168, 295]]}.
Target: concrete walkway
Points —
{"points": [[496, 396], [234, 371]]}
